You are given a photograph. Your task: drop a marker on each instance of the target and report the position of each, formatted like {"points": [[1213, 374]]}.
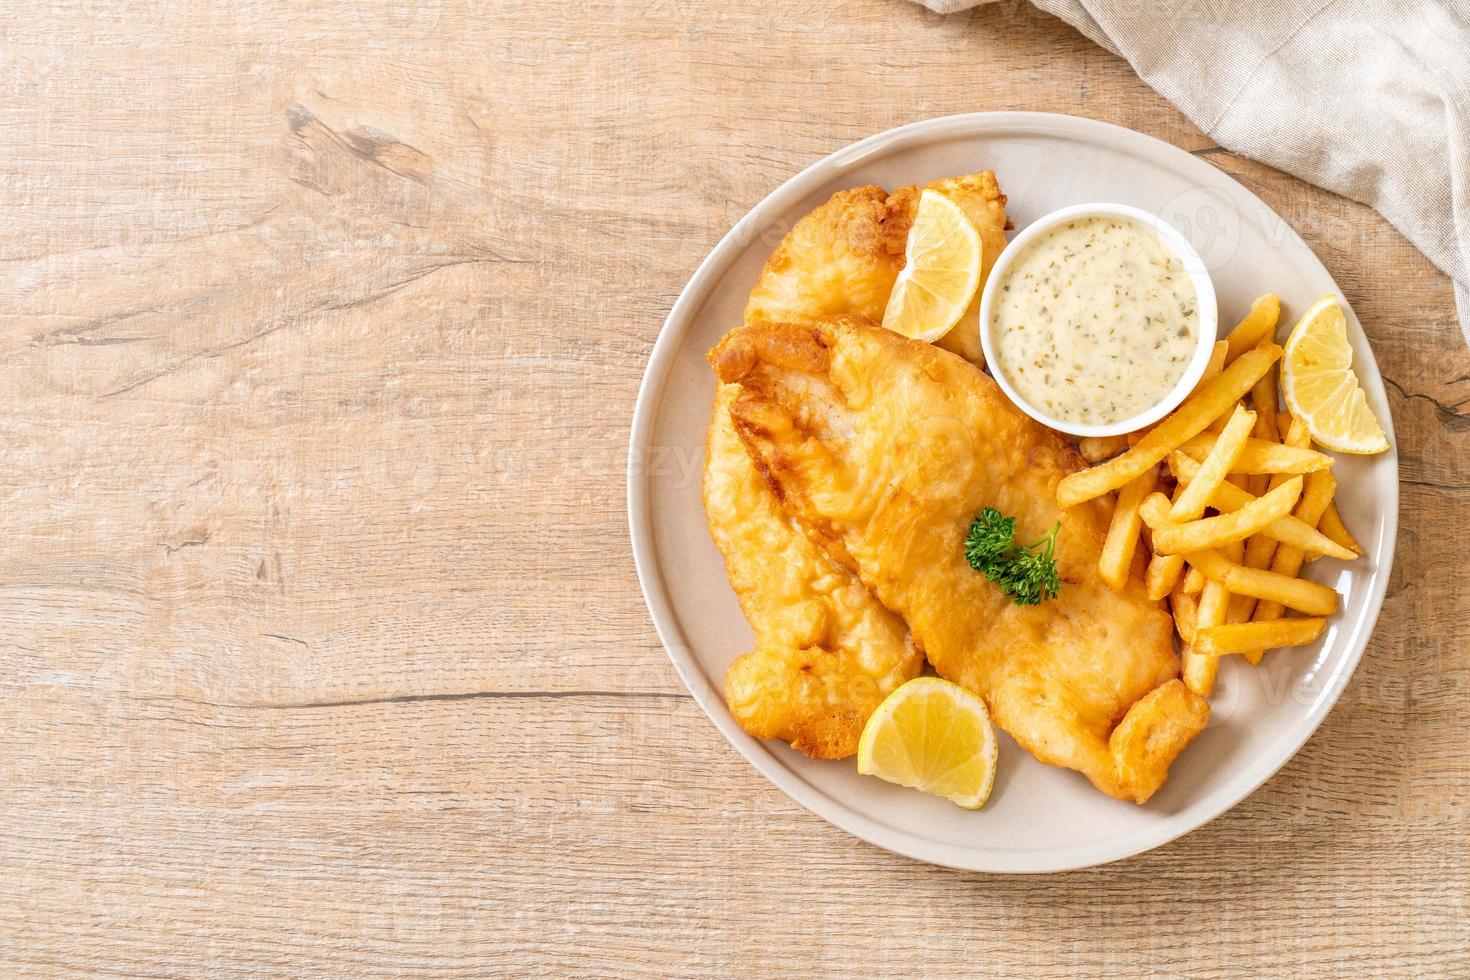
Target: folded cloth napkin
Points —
{"points": [[1368, 98]]}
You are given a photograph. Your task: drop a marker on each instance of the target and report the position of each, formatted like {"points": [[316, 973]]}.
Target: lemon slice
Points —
{"points": [[1320, 387], [935, 736], [941, 271]]}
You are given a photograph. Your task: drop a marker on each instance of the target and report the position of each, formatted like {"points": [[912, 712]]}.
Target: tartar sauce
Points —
{"points": [[1095, 321]]}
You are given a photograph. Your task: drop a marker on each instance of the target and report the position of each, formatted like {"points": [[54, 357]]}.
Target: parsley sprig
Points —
{"points": [[1024, 573]]}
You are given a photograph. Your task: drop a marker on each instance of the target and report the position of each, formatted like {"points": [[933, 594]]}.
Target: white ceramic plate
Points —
{"points": [[1039, 818]]}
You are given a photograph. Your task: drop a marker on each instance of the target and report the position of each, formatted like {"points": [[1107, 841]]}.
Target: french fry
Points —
{"points": [[1259, 323], [1216, 532], [1184, 608], [1187, 421], [1260, 456], [1238, 609], [1154, 509], [1288, 530], [1217, 465], [1194, 581], [1095, 449], [1316, 497], [1311, 598], [1257, 637], [1261, 548], [1294, 431], [1163, 570], [1213, 367], [1213, 565], [1288, 559], [1265, 399], [1197, 667], [1198, 670], [1333, 527], [1162, 574], [1122, 540], [1241, 607], [1141, 554]]}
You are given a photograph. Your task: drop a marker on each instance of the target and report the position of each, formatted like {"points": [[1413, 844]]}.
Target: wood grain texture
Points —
{"points": [[322, 650]]}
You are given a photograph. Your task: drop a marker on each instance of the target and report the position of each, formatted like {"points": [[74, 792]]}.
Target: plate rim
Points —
{"points": [[665, 622]]}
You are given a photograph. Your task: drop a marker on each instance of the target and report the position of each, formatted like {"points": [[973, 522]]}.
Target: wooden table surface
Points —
{"points": [[322, 650]]}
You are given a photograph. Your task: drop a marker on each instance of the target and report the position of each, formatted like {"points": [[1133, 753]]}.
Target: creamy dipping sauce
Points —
{"points": [[1095, 321]]}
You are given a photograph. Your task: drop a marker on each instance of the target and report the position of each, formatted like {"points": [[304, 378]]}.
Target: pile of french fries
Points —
{"points": [[1230, 500]]}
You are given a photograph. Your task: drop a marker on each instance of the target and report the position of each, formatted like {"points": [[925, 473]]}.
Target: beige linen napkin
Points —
{"points": [[1370, 99]]}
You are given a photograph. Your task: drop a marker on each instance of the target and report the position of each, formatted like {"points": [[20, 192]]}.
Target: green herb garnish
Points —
{"points": [[1025, 574]]}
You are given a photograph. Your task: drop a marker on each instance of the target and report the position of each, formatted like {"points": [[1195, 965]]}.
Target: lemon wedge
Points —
{"points": [[1320, 387], [935, 736], [941, 271]]}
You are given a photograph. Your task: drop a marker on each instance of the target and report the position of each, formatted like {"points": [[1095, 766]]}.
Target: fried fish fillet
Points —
{"points": [[826, 651], [885, 449], [843, 257]]}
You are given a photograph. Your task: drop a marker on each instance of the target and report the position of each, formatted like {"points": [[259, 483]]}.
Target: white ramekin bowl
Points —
{"points": [[1173, 240]]}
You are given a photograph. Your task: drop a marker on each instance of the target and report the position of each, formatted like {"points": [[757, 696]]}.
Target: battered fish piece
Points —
{"points": [[843, 257], [826, 652], [885, 449]]}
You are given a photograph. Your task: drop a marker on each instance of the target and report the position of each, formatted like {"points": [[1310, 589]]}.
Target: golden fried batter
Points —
{"points": [[843, 257], [826, 651], [884, 450]]}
